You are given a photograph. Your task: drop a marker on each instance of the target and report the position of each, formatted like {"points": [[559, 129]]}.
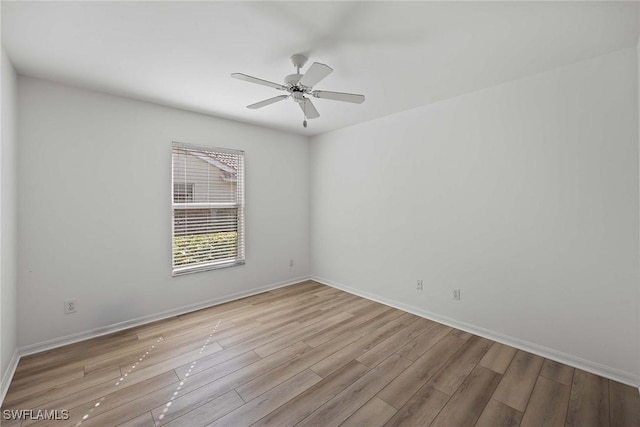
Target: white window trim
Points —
{"points": [[210, 265]]}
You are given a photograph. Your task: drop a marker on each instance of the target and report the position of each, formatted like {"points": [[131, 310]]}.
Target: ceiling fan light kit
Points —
{"points": [[298, 85]]}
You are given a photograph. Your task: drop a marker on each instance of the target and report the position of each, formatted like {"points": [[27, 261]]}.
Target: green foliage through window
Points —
{"points": [[200, 248]]}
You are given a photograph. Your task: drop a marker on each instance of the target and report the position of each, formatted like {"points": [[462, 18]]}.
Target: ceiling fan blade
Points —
{"points": [[339, 96], [256, 80], [315, 73], [267, 102], [309, 109]]}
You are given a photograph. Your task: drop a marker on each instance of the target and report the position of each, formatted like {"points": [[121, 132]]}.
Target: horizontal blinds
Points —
{"points": [[208, 207]]}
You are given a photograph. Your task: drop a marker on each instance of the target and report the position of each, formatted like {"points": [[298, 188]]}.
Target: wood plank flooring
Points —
{"points": [[309, 355]]}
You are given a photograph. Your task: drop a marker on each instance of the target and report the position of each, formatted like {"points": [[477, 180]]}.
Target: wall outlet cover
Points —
{"points": [[70, 306]]}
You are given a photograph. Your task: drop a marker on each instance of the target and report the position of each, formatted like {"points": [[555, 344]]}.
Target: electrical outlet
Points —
{"points": [[456, 294], [291, 263], [419, 285], [70, 306]]}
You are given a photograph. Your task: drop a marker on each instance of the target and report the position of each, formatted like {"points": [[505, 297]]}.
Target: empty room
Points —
{"points": [[333, 213]]}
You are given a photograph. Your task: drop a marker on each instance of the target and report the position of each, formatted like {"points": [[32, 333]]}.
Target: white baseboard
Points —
{"points": [[109, 329], [558, 356], [5, 381]]}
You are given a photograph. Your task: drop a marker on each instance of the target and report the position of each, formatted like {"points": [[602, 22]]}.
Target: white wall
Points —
{"points": [[524, 195], [8, 220], [638, 98], [94, 204]]}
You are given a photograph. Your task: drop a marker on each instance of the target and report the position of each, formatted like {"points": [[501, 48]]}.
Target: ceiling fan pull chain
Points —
{"points": [[304, 113]]}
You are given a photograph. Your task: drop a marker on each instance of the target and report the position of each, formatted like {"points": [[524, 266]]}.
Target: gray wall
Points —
{"points": [[638, 100], [95, 209], [523, 195], [8, 219]]}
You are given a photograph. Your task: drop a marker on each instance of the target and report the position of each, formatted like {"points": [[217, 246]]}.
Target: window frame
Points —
{"points": [[239, 205]]}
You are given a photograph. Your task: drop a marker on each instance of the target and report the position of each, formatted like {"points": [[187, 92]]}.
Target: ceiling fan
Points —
{"points": [[298, 85]]}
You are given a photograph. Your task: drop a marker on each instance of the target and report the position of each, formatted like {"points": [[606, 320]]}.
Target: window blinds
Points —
{"points": [[208, 207]]}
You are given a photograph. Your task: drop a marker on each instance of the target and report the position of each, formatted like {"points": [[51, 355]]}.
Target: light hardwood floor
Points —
{"points": [[310, 355]]}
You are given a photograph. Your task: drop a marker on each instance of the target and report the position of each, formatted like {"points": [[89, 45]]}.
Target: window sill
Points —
{"points": [[205, 267]]}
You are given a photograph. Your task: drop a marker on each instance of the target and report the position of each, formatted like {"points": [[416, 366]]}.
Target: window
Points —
{"points": [[208, 208], [182, 192]]}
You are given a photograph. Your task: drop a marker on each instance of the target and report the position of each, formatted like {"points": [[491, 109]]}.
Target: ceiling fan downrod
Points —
{"points": [[298, 61]]}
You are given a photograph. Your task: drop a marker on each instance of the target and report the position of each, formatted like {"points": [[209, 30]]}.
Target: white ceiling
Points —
{"points": [[399, 54]]}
